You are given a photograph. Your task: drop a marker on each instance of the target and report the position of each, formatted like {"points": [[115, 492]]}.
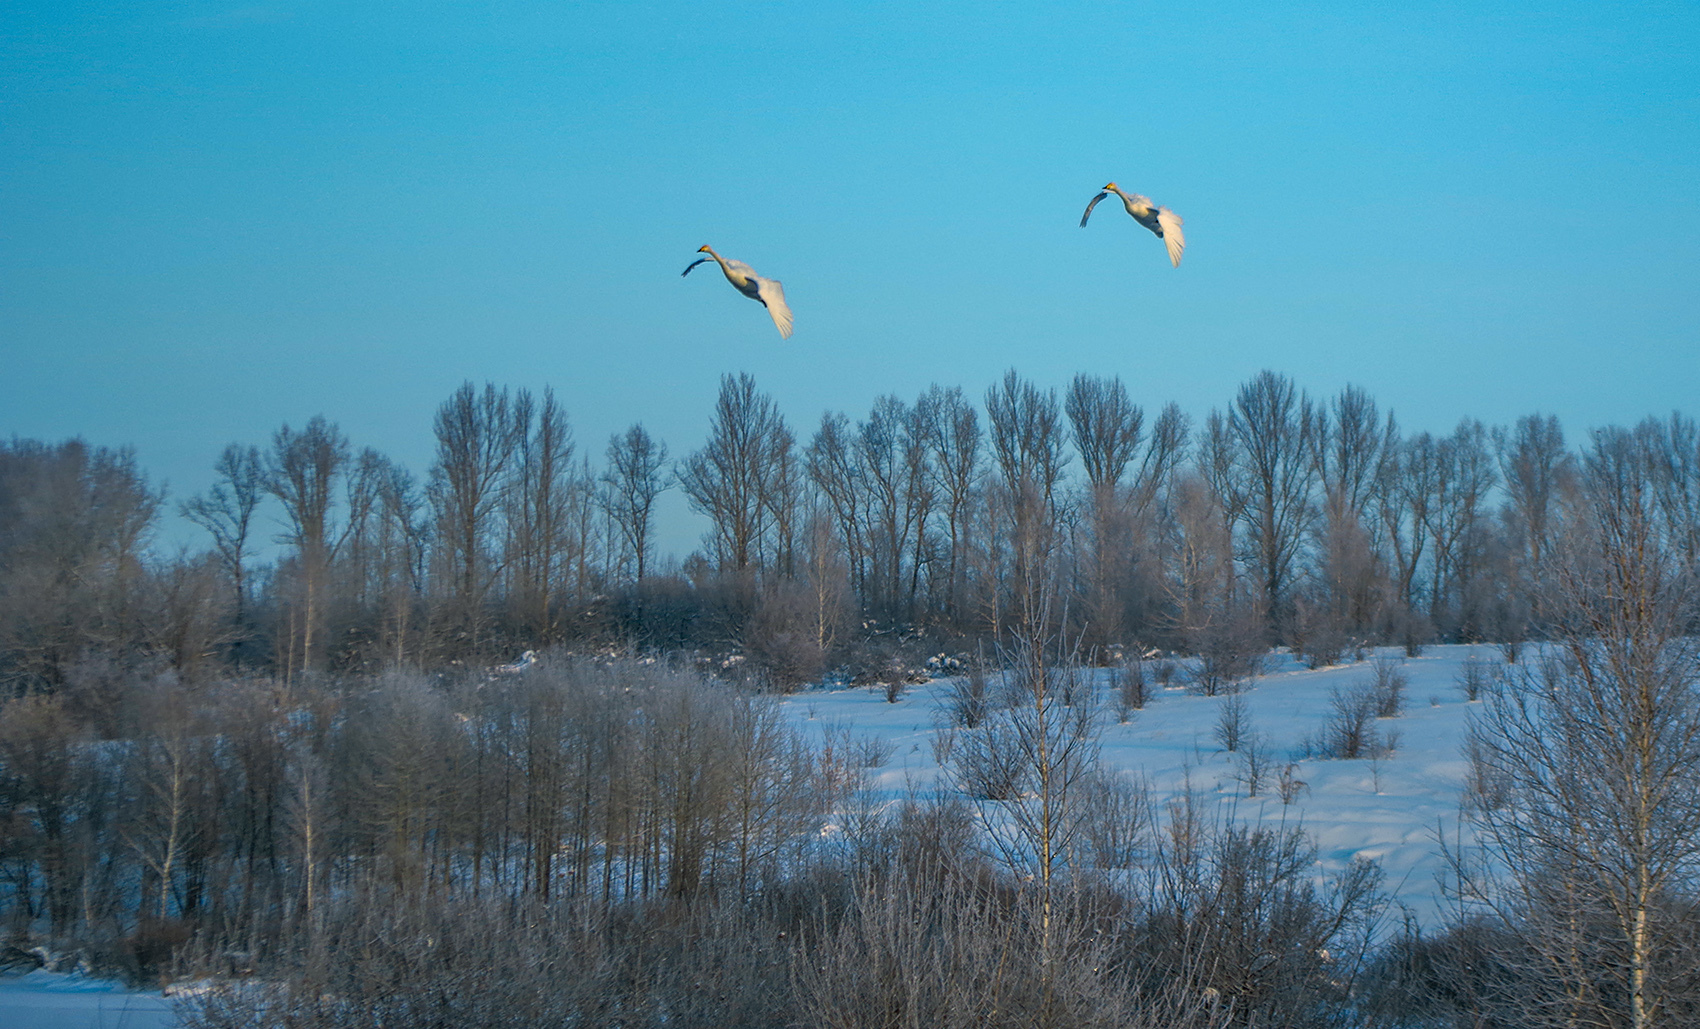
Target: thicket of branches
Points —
{"points": [[1281, 519]]}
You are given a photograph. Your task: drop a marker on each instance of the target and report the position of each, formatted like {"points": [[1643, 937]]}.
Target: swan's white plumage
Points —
{"points": [[773, 295], [744, 279], [1163, 223], [1172, 236]]}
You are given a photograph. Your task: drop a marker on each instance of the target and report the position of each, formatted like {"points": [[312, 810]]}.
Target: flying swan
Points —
{"points": [[745, 280], [1164, 222]]}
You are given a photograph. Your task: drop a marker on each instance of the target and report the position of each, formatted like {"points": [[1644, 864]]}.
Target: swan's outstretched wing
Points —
{"points": [[1090, 206], [1172, 236], [693, 264], [773, 295]]}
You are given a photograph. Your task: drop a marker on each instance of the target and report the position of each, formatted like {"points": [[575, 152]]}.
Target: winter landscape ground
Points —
{"points": [[57, 1000], [1390, 809]]}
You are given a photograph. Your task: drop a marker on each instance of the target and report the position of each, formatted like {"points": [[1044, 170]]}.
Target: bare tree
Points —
{"points": [[1351, 447], [1402, 499], [1461, 476], [632, 482], [227, 510], [302, 471], [956, 439], [1674, 446], [1027, 444], [475, 447], [74, 524], [891, 461], [537, 503], [1270, 426], [401, 534], [168, 764], [1201, 587], [1107, 428], [1596, 756], [733, 479], [47, 792]]}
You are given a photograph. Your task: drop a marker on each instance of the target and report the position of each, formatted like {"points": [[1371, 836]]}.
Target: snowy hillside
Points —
{"points": [[1389, 809]]}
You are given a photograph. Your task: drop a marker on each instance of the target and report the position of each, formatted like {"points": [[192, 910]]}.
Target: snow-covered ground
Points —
{"points": [[1390, 810], [55, 1000]]}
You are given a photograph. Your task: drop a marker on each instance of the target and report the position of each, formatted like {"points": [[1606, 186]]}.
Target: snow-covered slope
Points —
{"points": [[1390, 809]]}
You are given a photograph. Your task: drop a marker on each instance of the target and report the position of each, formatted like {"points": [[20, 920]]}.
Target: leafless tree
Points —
{"points": [[956, 439], [1461, 474], [735, 478], [1107, 435], [632, 482], [169, 766], [48, 792], [831, 462], [1673, 444], [1202, 586], [75, 522], [1535, 469], [1027, 440], [476, 439], [891, 451], [226, 512], [302, 472], [1106, 426], [1597, 757], [538, 502], [1271, 479], [1352, 446]]}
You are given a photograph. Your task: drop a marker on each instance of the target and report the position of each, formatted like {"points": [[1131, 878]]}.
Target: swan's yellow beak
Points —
{"points": [[1109, 186], [703, 249]]}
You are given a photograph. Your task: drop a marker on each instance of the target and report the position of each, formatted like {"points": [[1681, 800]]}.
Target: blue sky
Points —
{"points": [[217, 218]]}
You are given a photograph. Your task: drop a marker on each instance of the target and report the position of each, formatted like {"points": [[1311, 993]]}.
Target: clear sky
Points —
{"points": [[216, 218]]}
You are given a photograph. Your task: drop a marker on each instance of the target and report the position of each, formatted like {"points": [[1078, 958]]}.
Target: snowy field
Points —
{"points": [[55, 1000], [1390, 809]]}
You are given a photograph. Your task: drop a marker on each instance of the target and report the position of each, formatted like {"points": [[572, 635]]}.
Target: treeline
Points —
{"points": [[1279, 519]]}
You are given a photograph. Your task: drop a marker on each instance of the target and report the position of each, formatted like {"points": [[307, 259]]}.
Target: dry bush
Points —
{"points": [[1350, 731], [1236, 912], [1233, 723], [1129, 688], [495, 964], [885, 664], [1164, 672], [1229, 654], [1318, 636], [1255, 760], [782, 640], [874, 751], [1117, 816], [989, 763], [1389, 688], [1475, 676], [943, 740], [1480, 972], [969, 700], [1289, 785], [949, 954]]}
